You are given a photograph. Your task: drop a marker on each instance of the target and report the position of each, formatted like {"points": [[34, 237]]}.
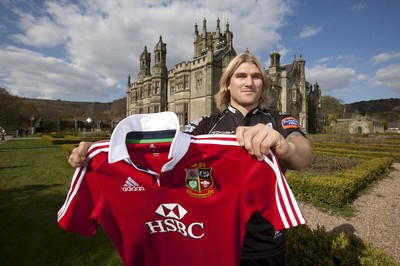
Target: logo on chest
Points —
{"points": [[172, 214], [199, 181]]}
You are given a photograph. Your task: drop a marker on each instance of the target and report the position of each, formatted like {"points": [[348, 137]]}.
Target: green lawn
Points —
{"points": [[34, 180]]}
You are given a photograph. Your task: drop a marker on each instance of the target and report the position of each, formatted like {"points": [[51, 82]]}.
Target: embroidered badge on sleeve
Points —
{"points": [[290, 122]]}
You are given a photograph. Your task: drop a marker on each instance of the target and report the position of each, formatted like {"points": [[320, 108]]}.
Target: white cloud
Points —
{"points": [[383, 57], [33, 75], [331, 79], [362, 77], [39, 32], [308, 31], [3, 29], [324, 59], [388, 77], [357, 6]]}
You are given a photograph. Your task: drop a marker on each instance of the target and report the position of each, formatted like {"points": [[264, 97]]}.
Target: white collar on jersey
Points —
{"points": [[234, 110], [148, 122]]}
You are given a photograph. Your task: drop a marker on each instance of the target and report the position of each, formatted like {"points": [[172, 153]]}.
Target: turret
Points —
{"points": [[160, 59], [204, 34], [160, 52], [196, 32], [145, 60], [228, 35], [275, 59], [218, 30], [302, 64]]}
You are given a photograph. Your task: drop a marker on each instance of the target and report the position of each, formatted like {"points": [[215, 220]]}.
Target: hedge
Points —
{"points": [[340, 188]]}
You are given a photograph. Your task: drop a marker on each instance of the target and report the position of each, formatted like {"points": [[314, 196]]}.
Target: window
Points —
{"points": [[199, 80], [157, 88], [182, 112], [179, 84], [185, 113], [172, 87], [185, 82]]}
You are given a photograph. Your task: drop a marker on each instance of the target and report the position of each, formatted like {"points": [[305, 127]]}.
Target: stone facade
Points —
{"points": [[188, 88]]}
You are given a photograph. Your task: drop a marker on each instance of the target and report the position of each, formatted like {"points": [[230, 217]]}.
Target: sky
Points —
{"points": [[84, 50]]}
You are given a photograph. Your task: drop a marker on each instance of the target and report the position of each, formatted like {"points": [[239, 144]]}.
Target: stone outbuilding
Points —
{"points": [[358, 125]]}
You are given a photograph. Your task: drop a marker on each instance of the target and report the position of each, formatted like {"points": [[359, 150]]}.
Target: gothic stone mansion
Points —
{"points": [[189, 87]]}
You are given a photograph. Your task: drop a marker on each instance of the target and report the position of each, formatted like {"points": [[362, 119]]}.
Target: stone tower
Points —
{"points": [[289, 90]]}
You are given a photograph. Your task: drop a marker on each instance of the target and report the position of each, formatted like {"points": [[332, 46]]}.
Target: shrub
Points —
{"points": [[306, 246]]}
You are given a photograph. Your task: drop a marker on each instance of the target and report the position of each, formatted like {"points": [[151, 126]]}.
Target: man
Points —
{"points": [[243, 92]]}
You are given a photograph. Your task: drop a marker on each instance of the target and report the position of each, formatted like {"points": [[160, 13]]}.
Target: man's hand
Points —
{"points": [[258, 139], [78, 155], [294, 151]]}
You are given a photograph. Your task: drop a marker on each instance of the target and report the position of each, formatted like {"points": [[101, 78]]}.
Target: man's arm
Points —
{"points": [[302, 155], [294, 152]]}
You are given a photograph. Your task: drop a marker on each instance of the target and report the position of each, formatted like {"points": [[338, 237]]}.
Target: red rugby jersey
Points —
{"points": [[180, 203]]}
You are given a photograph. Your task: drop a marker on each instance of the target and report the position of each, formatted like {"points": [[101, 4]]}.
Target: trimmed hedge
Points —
{"points": [[73, 139], [356, 150], [339, 188], [357, 147]]}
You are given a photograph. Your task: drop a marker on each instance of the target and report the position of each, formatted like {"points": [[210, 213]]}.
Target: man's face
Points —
{"points": [[246, 86]]}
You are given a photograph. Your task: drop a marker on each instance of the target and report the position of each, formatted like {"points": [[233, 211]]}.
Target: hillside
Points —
{"points": [[54, 109], [374, 106], [387, 110]]}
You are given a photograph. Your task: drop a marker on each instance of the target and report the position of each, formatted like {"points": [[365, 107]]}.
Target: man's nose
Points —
{"points": [[249, 81]]}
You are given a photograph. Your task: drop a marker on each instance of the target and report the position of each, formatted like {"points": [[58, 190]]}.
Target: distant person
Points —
{"points": [[241, 99], [2, 133]]}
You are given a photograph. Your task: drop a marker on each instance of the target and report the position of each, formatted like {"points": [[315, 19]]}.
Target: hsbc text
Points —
{"points": [[172, 225]]}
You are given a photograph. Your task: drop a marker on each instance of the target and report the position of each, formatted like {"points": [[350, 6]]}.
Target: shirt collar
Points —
{"points": [[234, 110], [148, 122]]}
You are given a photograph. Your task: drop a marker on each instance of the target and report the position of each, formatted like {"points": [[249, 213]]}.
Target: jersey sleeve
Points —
{"points": [[286, 124], [75, 215], [271, 194]]}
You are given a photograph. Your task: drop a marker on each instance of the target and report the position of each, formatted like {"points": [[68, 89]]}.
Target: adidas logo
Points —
{"points": [[131, 185]]}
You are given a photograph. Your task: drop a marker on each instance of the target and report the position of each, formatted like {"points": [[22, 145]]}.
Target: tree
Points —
{"points": [[331, 106], [14, 113]]}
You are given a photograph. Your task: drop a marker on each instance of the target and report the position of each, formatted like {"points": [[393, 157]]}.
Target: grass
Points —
{"points": [[34, 180]]}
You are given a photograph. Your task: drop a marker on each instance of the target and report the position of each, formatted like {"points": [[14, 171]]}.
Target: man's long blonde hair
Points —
{"points": [[223, 97]]}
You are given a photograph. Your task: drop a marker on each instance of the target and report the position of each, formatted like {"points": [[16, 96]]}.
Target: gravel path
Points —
{"points": [[377, 219]]}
